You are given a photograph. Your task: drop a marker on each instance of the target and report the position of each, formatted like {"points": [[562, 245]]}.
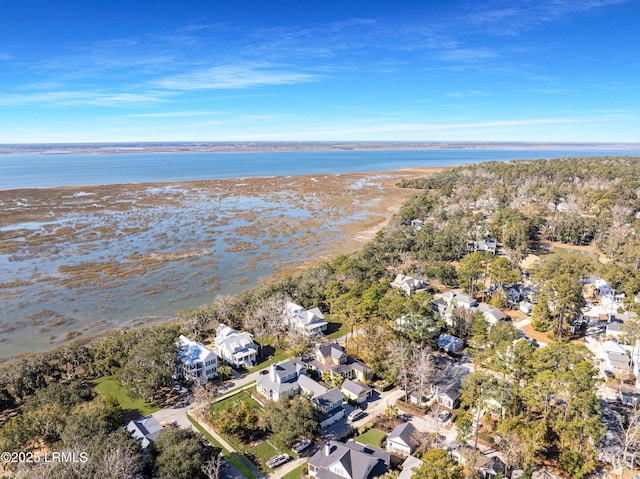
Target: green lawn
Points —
{"points": [[335, 329], [231, 401], [373, 437], [263, 453], [277, 442], [109, 386], [278, 355], [296, 473]]}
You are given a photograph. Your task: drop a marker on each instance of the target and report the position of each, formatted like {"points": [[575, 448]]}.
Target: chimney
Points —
{"points": [[327, 449], [272, 373]]}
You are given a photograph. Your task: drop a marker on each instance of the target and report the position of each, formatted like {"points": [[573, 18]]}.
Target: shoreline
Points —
{"points": [[252, 230], [412, 170]]}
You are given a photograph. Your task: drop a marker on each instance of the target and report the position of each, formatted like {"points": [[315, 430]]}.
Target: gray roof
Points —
{"points": [[145, 429], [332, 350], [354, 387], [615, 326], [281, 370], [404, 433], [360, 462], [309, 385], [408, 465], [333, 397]]}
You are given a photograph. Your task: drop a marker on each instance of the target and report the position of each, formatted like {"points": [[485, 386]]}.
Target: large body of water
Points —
{"points": [[48, 170], [92, 264]]}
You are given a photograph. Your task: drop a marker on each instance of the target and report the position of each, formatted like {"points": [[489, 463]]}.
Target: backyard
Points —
{"points": [[260, 448], [373, 437], [108, 386]]}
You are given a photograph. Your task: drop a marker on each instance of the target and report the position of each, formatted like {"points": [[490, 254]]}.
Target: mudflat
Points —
{"points": [[76, 261]]}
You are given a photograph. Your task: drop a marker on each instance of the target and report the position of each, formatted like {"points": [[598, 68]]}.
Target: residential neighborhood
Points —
{"points": [[455, 346]]}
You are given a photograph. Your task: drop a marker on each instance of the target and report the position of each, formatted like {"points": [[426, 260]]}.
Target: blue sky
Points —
{"points": [[521, 70]]}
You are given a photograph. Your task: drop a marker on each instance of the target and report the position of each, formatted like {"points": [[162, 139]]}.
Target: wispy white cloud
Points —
{"points": [[522, 15], [73, 98], [234, 76], [467, 55], [174, 114], [467, 94]]}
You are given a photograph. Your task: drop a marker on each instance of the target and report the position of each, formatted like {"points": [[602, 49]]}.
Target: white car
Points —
{"points": [[444, 416], [278, 460], [301, 445], [355, 415]]}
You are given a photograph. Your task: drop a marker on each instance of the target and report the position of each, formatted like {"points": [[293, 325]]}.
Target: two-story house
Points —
{"points": [[329, 401], [196, 362], [238, 349], [409, 284], [331, 358], [310, 322], [281, 379]]}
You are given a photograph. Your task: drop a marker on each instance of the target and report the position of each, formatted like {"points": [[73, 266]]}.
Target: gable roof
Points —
{"points": [[145, 429], [358, 461], [488, 310], [331, 350], [354, 387], [611, 347], [405, 434], [304, 316], [308, 385], [330, 400]]}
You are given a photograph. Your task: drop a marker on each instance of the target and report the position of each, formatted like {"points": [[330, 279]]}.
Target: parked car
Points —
{"points": [[355, 415], [301, 445], [444, 416], [278, 460], [609, 374]]}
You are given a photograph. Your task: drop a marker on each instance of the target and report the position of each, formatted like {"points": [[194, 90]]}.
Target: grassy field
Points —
{"points": [[263, 453], [335, 329], [242, 396], [296, 473], [373, 437], [276, 357], [109, 386]]}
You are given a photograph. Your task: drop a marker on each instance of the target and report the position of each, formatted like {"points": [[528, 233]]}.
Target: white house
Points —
{"points": [[526, 307], [403, 439], [409, 284], [196, 362], [459, 300], [310, 322], [238, 349], [446, 385], [281, 379], [491, 314]]}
